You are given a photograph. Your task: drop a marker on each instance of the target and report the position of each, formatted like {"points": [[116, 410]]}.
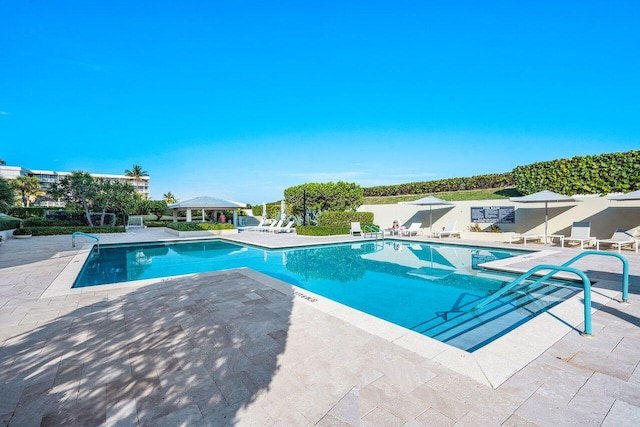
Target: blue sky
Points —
{"points": [[241, 100]]}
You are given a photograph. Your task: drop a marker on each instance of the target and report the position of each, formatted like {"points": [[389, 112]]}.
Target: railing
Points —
{"points": [[73, 238], [373, 230], [553, 269]]}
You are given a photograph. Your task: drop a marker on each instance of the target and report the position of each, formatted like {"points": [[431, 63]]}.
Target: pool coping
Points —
{"points": [[490, 365]]}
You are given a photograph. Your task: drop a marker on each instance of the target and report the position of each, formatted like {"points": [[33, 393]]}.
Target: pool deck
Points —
{"points": [[240, 348]]}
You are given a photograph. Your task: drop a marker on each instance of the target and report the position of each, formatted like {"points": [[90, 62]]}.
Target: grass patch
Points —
{"points": [[451, 196]]}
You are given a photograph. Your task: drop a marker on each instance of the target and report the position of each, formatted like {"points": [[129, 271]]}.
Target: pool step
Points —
{"points": [[461, 328]]}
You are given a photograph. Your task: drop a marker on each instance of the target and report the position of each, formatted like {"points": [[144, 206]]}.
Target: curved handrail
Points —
{"points": [[625, 268], [373, 229], [554, 269], [73, 238]]}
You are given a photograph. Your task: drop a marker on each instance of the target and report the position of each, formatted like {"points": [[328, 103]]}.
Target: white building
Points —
{"points": [[47, 178]]}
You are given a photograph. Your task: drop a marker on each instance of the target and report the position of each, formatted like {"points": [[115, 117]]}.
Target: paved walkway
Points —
{"points": [[240, 348]]}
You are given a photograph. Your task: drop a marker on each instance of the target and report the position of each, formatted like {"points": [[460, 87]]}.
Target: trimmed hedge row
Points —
{"points": [[344, 219], [42, 222], [9, 223], [50, 231], [195, 226], [318, 230], [602, 174], [478, 182], [30, 212]]}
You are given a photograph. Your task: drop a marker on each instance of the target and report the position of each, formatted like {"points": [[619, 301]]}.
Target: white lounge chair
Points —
{"points": [[448, 230], [580, 232], [273, 226], [355, 229], [286, 229], [253, 227], [525, 237], [620, 238], [414, 229]]}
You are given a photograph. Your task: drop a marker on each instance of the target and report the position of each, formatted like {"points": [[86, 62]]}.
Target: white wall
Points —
{"points": [[605, 215]]}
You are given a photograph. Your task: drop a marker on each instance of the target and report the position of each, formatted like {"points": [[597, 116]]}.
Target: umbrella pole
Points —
{"points": [[546, 216], [430, 221]]}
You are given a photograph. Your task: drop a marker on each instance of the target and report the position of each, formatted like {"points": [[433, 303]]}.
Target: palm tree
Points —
{"points": [[169, 198], [28, 186], [7, 195], [136, 172]]}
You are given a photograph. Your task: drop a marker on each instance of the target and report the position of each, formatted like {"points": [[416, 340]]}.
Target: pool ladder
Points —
{"points": [[73, 239], [373, 230], [553, 269]]}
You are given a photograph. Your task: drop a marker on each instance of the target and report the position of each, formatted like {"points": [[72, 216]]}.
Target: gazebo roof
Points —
{"points": [[205, 202]]}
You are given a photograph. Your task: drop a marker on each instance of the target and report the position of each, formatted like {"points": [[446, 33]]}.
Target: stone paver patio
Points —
{"points": [[241, 348]]}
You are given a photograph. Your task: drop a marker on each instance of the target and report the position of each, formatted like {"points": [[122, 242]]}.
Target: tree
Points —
{"points": [[79, 190], [7, 195], [339, 196], [2, 162], [158, 208], [136, 172], [169, 198], [29, 188]]}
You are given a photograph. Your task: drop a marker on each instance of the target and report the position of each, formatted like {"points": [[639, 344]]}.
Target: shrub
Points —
{"points": [[51, 231], [30, 212], [43, 222], [9, 223], [344, 219], [582, 174], [195, 226], [156, 223], [318, 230], [22, 232], [478, 182]]}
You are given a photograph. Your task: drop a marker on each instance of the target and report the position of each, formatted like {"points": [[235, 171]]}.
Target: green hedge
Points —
{"points": [[317, 230], [30, 212], [273, 210], [602, 174], [42, 222], [478, 182], [157, 223], [50, 231], [344, 219], [9, 223], [195, 226]]}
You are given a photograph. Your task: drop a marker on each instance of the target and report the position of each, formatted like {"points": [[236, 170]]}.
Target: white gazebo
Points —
{"points": [[205, 203]]}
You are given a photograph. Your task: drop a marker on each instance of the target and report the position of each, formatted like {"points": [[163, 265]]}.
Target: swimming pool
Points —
{"points": [[429, 288]]}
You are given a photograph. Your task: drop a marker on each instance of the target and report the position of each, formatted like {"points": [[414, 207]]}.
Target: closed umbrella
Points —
{"points": [[634, 195], [282, 214], [546, 197], [264, 210], [430, 201]]}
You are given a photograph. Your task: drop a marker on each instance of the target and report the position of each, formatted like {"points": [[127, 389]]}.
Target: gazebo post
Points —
{"points": [[235, 217], [188, 214], [175, 215]]}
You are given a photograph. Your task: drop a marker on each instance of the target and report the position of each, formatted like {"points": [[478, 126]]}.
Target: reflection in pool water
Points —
{"points": [[429, 288]]}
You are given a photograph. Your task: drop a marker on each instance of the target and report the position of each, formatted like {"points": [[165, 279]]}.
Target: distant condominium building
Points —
{"points": [[47, 178]]}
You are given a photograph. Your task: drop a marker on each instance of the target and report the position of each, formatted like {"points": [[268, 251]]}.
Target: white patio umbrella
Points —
{"points": [[546, 197], [634, 195], [282, 214], [264, 210], [429, 201]]}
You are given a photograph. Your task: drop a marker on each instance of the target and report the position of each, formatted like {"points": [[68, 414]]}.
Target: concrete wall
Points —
{"points": [[605, 215]]}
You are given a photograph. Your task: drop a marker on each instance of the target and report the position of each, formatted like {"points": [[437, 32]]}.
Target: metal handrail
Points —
{"points": [[565, 267], [373, 229], [73, 238]]}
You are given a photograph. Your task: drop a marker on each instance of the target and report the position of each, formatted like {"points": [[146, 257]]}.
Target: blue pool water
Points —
{"points": [[429, 288]]}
